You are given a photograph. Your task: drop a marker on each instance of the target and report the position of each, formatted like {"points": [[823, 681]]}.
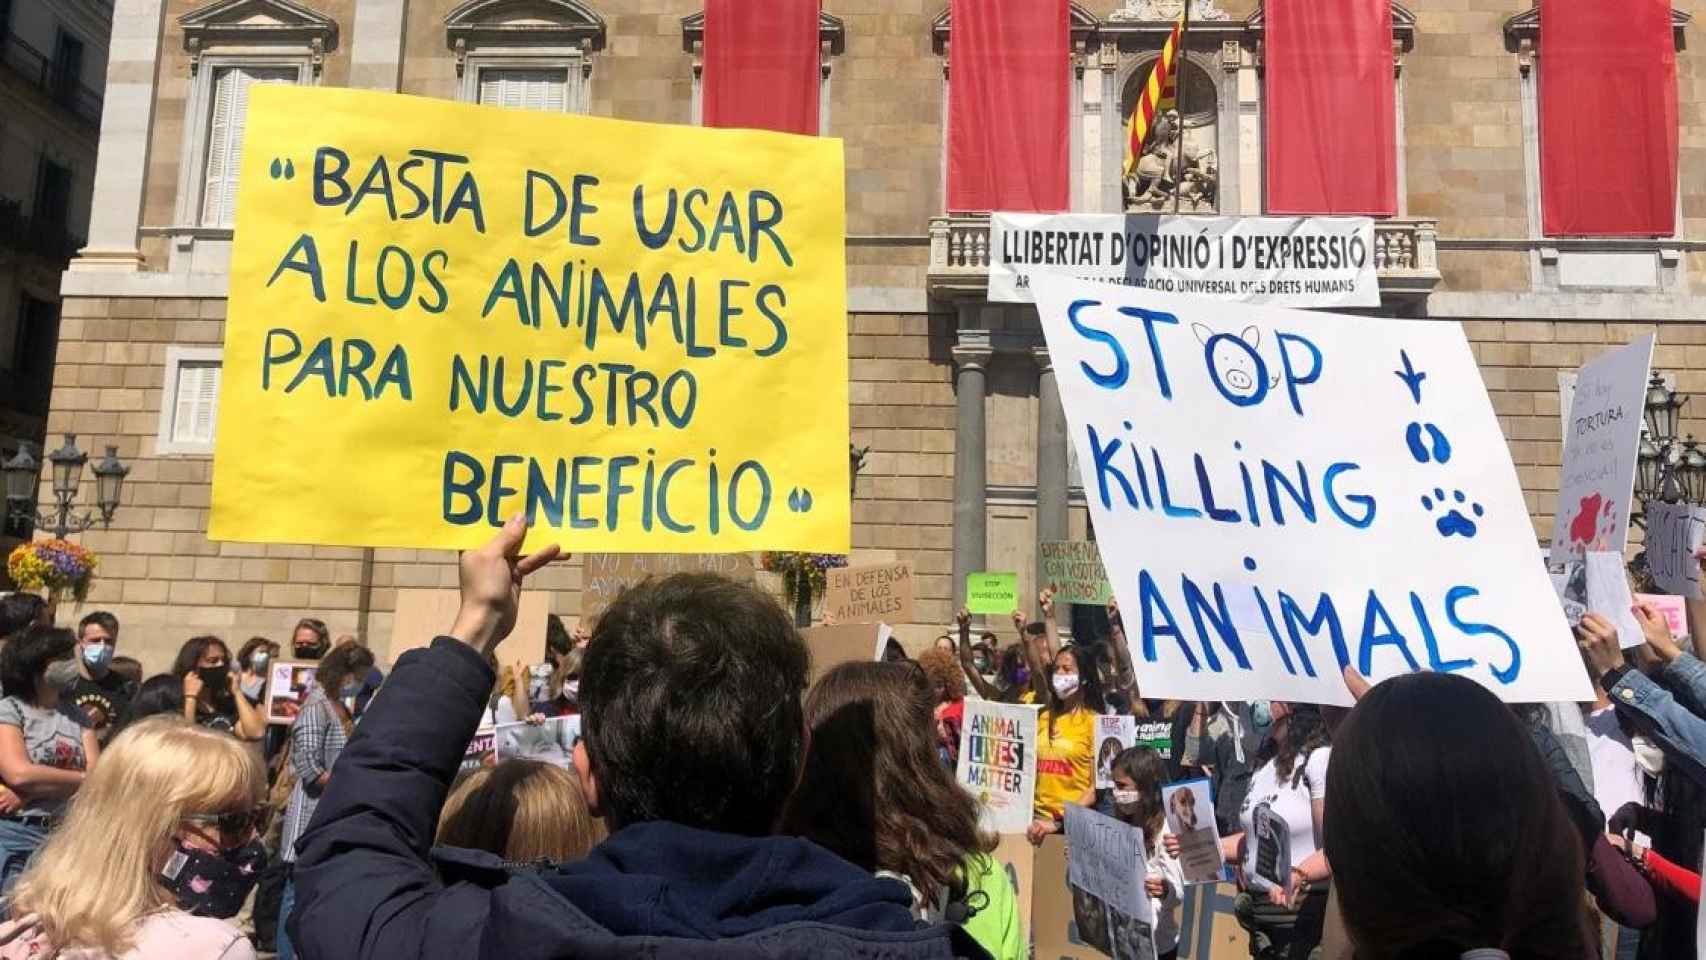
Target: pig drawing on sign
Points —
{"points": [[1234, 363]]}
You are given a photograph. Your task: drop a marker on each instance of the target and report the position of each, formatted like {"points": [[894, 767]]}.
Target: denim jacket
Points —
{"points": [[1667, 713]]}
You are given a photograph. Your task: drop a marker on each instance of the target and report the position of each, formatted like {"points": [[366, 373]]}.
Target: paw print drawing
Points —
{"points": [[1455, 522]]}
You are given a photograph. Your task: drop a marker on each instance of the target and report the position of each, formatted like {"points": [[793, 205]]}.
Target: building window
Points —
{"points": [[53, 193], [525, 54], [189, 405], [525, 88], [234, 45], [229, 108]]}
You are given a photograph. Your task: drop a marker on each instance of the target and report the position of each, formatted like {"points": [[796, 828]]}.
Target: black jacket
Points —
{"points": [[366, 888]]}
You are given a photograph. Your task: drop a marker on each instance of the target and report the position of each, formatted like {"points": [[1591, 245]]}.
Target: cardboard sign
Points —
{"points": [[425, 614], [552, 741], [1190, 816], [1107, 860], [288, 684], [1674, 532], [1157, 735], [1247, 467], [998, 763], [1278, 261], [1074, 569], [996, 593], [1018, 861], [1608, 595], [605, 575], [1675, 611], [1071, 924], [634, 333], [872, 594], [845, 643], [1597, 480], [1113, 735]]}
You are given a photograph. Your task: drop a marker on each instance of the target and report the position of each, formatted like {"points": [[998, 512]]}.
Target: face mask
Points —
{"points": [[252, 688], [1648, 756], [1260, 713], [980, 664], [97, 656], [1126, 798], [214, 678], [1065, 685], [571, 690], [258, 663], [60, 672], [214, 884], [310, 653], [1022, 677], [350, 688]]}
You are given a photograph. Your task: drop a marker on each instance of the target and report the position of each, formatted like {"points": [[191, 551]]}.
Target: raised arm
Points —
{"points": [[1125, 678], [251, 725], [1033, 661], [365, 888], [1052, 631], [984, 688]]}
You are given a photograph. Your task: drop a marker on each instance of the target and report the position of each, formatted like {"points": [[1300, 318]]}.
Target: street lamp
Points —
{"points": [[1692, 469], [22, 474], [1664, 468]]}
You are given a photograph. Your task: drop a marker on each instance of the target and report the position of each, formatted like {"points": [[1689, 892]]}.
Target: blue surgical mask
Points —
{"points": [[350, 688], [97, 655], [1261, 714]]}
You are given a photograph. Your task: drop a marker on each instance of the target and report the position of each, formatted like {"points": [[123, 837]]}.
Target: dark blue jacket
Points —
{"points": [[367, 887]]}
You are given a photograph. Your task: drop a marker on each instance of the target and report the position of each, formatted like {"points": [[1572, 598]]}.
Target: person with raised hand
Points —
{"points": [[695, 737], [1670, 705]]}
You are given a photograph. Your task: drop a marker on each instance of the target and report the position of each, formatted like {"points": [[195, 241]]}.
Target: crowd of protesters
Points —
{"points": [[718, 805]]}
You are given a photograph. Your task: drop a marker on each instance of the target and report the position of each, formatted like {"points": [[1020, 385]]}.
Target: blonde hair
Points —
{"points": [[98, 872], [521, 810]]}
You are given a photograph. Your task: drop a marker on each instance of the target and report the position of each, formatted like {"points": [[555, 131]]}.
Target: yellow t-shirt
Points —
{"points": [[1065, 761]]}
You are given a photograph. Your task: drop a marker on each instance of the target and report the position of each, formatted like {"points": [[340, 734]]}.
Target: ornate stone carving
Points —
{"points": [[1173, 163], [1168, 10]]}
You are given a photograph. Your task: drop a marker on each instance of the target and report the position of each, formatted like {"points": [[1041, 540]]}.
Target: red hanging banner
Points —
{"points": [[1008, 140], [1608, 118], [761, 65], [1331, 107]]}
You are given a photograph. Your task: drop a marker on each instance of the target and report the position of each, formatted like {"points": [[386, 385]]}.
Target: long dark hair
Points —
{"points": [[191, 653], [1089, 682], [1305, 730], [1146, 769], [874, 791], [1445, 830]]}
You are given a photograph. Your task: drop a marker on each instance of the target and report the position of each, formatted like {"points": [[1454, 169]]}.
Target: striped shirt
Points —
{"points": [[316, 739]]}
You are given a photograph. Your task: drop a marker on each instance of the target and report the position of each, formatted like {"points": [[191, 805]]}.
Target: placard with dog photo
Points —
{"points": [[1190, 815]]}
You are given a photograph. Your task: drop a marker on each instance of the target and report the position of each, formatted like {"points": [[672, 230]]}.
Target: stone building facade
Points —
{"points": [[968, 465]]}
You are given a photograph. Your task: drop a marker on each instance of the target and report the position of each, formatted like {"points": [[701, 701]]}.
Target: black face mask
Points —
{"points": [[309, 653], [216, 679], [214, 884]]}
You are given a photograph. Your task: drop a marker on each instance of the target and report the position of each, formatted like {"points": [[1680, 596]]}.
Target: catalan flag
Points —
{"points": [[1159, 94]]}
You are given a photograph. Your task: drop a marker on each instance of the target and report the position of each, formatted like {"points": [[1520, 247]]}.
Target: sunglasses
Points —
{"points": [[230, 824]]}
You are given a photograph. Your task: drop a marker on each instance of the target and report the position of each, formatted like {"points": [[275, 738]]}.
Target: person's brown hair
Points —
{"points": [[1146, 769], [947, 679], [1445, 831], [347, 659], [523, 811], [874, 790]]}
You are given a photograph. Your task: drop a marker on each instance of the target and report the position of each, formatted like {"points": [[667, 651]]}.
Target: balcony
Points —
{"points": [[36, 236], [1406, 257], [52, 79]]}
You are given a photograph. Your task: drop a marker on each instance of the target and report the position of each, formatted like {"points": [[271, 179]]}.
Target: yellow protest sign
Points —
{"points": [[442, 315]]}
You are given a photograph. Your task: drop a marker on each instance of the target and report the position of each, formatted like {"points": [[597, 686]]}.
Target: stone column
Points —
{"points": [[127, 118], [971, 467], [376, 48], [1051, 459], [1113, 129]]}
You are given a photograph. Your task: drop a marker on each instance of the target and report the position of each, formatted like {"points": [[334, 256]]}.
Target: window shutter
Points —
{"points": [[525, 89], [197, 402], [225, 137]]}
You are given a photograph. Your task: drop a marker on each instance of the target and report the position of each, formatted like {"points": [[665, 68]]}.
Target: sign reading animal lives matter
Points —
{"points": [[1602, 440], [634, 333], [1278, 494], [998, 762], [869, 594]]}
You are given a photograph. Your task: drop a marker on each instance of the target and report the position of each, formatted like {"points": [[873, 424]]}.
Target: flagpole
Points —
{"points": [[1182, 58]]}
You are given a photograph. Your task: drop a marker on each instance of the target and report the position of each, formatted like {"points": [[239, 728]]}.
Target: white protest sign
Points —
{"points": [[1113, 735], [480, 750], [1105, 859], [1608, 595], [1345, 474], [998, 762], [1602, 439], [1190, 815], [1674, 532], [1277, 261], [551, 741]]}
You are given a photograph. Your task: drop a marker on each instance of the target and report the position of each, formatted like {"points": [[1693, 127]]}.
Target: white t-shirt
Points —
{"points": [[1616, 778], [1279, 822]]}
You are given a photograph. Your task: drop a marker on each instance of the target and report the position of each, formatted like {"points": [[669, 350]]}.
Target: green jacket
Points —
{"points": [[996, 926]]}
